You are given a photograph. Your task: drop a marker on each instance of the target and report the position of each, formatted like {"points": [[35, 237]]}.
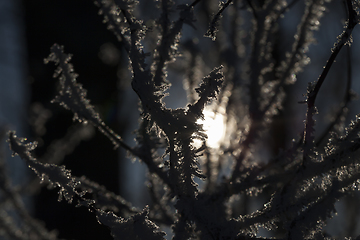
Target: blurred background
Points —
{"points": [[27, 31]]}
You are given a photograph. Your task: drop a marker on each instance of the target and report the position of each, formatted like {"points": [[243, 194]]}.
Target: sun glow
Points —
{"points": [[214, 126]]}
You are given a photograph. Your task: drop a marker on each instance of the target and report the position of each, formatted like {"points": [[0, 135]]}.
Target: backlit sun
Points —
{"points": [[214, 127]]}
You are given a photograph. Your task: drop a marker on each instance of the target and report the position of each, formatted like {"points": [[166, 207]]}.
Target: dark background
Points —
{"points": [[77, 26]]}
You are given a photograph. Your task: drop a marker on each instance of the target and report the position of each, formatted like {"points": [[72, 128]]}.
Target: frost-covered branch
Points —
{"points": [[58, 176], [199, 191]]}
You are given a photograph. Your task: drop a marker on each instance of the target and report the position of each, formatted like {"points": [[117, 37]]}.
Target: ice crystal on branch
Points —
{"points": [[58, 176], [208, 90], [137, 227], [213, 29], [72, 96]]}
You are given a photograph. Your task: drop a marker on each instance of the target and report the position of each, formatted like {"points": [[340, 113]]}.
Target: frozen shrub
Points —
{"points": [[201, 191]]}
